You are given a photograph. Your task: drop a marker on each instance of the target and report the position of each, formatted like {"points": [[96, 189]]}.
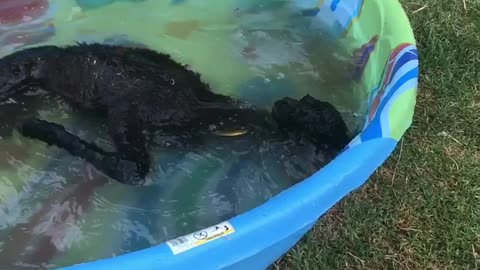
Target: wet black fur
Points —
{"points": [[140, 91]]}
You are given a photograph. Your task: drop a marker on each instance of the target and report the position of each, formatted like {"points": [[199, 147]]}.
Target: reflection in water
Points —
{"points": [[55, 226], [55, 210]]}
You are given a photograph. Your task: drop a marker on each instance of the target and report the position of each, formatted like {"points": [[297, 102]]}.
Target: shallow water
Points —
{"points": [[55, 210]]}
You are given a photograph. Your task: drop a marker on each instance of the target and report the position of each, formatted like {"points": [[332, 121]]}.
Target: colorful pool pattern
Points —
{"points": [[400, 74], [389, 69], [335, 16], [25, 22]]}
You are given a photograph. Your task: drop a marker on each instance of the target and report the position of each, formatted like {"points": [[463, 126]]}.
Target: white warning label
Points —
{"points": [[186, 242]]}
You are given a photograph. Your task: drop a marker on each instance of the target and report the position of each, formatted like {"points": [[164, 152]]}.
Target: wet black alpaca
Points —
{"points": [[141, 91]]}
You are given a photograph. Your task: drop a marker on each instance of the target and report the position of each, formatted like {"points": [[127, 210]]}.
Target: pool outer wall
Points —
{"points": [[264, 234]]}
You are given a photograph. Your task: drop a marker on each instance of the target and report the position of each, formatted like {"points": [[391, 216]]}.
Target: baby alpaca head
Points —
{"points": [[316, 121]]}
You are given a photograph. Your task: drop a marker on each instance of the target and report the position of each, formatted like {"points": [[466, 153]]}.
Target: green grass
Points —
{"points": [[421, 210]]}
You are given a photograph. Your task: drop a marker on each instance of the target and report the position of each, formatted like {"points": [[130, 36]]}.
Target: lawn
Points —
{"points": [[421, 210]]}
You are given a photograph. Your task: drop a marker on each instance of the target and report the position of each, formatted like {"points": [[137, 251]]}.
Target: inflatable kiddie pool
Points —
{"points": [[380, 36]]}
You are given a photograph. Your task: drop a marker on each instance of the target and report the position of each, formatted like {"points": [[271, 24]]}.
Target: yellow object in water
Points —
{"points": [[230, 133]]}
